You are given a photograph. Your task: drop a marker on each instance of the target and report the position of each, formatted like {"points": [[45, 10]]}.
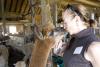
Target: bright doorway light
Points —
{"points": [[12, 29]]}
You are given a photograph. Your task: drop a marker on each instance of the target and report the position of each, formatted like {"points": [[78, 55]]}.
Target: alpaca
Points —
{"points": [[41, 52], [42, 47], [20, 64]]}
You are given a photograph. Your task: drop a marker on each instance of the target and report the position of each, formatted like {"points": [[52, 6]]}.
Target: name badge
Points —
{"points": [[78, 50]]}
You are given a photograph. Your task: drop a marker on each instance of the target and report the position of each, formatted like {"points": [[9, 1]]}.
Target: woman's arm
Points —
{"points": [[93, 54]]}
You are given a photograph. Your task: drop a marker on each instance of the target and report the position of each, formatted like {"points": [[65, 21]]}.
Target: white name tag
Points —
{"points": [[78, 50]]}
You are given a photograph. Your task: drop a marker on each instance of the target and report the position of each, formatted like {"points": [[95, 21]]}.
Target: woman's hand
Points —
{"points": [[58, 39]]}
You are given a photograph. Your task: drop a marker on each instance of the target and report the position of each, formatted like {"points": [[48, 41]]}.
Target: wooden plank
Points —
{"points": [[11, 15], [8, 5], [92, 3], [23, 6], [5, 3], [13, 5], [18, 5], [27, 8]]}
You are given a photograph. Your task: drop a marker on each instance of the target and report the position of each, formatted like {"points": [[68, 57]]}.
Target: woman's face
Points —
{"points": [[69, 23]]}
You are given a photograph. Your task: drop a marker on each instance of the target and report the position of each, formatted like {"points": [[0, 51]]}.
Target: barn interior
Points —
{"points": [[23, 21]]}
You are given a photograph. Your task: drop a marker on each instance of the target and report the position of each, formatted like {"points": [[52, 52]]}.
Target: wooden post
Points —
{"points": [[54, 11], [3, 17]]}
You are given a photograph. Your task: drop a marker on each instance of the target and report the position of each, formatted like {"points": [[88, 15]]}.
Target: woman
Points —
{"points": [[84, 47]]}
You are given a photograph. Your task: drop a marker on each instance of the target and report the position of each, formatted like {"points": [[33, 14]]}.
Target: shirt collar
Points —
{"points": [[84, 33]]}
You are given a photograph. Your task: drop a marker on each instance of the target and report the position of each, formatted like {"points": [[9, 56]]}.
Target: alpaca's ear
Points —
{"points": [[37, 33], [46, 29]]}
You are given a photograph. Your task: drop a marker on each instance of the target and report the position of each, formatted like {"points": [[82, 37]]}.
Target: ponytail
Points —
{"points": [[91, 23]]}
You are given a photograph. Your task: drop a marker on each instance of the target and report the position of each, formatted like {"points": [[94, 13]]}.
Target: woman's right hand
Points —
{"points": [[58, 38]]}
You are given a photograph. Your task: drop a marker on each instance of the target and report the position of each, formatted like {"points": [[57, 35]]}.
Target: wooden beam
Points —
{"points": [[18, 5], [11, 14], [8, 5], [15, 22], [91, 3], [27, 8], [5, 3], [86, 2], [14, 5], [3, 16], [65, 2], [54, 11], [23, 6]]}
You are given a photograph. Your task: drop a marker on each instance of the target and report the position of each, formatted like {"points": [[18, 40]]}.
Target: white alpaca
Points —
{"points": [[20, 64]]}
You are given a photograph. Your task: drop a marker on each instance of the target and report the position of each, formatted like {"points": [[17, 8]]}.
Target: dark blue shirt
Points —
{"points": [[74, 55]]}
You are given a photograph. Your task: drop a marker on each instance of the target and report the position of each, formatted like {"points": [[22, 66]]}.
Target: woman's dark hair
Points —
{"points": [[75, 9], [92, 22], [81, 11]]}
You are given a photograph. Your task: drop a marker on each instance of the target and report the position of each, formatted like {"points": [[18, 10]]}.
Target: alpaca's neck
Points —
{"points": [[40, 53]]}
